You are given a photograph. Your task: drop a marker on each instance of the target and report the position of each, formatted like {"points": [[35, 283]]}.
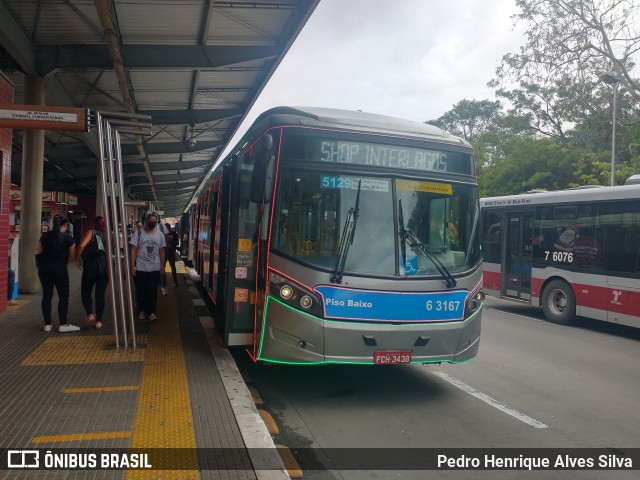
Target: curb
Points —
{"points": [[256, 437]]}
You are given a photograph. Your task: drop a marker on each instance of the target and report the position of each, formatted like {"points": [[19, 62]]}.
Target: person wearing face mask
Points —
{"points": [[54, 249], [147, 265]]}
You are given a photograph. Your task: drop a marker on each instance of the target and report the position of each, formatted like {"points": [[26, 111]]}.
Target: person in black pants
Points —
{"points": [[94, 271], [54, 249], [171, 239], [147, 265]]}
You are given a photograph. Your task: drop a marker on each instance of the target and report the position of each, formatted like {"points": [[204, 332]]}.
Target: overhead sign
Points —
{"points": [[44, 117]]}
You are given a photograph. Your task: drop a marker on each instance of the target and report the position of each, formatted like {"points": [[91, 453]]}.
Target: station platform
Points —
{"points": [[177, 397]]}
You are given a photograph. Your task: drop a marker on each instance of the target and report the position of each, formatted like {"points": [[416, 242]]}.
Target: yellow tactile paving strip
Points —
{"points": [[81, 350], [163, 415]]}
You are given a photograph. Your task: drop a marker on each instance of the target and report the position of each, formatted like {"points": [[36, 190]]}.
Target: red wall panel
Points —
{"points": [[6, 96]]}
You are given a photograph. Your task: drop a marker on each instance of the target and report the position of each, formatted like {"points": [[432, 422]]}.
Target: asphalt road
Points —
{"points": [[533, 385]]}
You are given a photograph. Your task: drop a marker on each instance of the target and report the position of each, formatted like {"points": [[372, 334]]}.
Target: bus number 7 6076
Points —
{"points": [[564, 257]]}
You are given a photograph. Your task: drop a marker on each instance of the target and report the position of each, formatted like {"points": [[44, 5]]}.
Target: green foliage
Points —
{"points": [[468, 118], [528, 163], [556, 130]]}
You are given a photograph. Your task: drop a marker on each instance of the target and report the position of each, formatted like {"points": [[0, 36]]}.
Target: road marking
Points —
{"points": [[269, 421], [290, 462], [490, 401]]}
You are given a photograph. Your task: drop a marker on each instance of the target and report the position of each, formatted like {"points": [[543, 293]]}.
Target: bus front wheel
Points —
{"points": [[559, 302]]}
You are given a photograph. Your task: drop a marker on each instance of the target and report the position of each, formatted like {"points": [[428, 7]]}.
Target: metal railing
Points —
{"points": [[110, 125]]}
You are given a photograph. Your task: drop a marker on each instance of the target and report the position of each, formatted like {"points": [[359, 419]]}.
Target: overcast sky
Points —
{"points": [[412, 59]]}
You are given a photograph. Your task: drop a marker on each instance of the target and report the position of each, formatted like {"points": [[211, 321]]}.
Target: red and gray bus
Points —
{"points": [[571, 252]]}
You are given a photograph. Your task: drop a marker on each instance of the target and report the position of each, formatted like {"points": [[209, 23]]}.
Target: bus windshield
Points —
{"points": [[312, 207]]}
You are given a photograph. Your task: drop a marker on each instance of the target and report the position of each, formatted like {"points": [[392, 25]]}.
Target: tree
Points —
{"points": [[529, 163], [551, 109], [468, 118], [575, 40]]}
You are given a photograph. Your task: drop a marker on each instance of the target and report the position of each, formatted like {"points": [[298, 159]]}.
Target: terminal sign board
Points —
{"points": [[44, 117]]}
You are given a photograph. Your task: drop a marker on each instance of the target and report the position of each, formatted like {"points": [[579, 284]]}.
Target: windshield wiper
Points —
{"points": [[407, 236], [473, 230], [348, 231], [402, 234]]}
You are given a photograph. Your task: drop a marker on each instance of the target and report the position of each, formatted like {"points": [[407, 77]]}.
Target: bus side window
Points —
{"points": [[614, 255], [492, 238], [632, 249]]}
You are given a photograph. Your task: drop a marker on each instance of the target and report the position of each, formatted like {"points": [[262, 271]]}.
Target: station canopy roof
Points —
{"points": [[195, 66]]}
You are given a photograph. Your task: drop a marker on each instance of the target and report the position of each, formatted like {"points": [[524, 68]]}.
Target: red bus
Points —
{"points": [[571, 252]]}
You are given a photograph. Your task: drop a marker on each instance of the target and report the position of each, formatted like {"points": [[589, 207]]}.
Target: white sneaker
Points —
{"points": [[141, 316], [68, 328], [152, 317], [164, 291], [47, 328]]}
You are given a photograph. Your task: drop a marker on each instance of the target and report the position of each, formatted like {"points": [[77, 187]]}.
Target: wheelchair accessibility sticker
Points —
{"points": [[411, 268]]}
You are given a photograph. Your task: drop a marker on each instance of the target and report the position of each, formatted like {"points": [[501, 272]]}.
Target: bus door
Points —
{"points": [[518, 251], [221, 249], [185, 232], [239, 256]]}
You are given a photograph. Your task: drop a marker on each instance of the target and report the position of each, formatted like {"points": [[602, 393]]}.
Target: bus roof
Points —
{"points": [[633, 180], [622, 192], [360, 121]]}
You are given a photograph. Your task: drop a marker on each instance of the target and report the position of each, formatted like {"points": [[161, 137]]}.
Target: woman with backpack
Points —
{"points": [[92, 252], [54, 249]]}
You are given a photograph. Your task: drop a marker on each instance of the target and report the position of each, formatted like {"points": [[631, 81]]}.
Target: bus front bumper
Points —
{"points": [[291, 336]]}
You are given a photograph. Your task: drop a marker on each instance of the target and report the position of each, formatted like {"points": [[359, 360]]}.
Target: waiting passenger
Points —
{"points": [[54, 249], [171, 239], [147, 265], [94, 271]]}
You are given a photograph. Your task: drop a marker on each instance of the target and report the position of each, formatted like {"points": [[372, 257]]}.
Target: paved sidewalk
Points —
{"points": [[179, 389]]}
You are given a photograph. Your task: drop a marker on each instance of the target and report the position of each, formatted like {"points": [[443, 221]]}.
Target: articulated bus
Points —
{"points": [[571, 252], [331, 236]]}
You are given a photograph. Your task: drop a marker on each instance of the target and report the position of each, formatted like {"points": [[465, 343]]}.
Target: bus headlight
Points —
{"points": [[286, 292], [306, 302], [294, 294], [475, 301]]}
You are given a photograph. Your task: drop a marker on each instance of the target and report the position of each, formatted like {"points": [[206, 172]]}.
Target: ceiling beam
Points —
{"points": [[134, 179], [130, 149], [133, 167], [191, 116], [184, 57], [17, 44], [166, 187]]}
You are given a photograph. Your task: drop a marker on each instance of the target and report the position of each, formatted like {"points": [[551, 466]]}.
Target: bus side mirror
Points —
{"points": [[263, 170]]}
